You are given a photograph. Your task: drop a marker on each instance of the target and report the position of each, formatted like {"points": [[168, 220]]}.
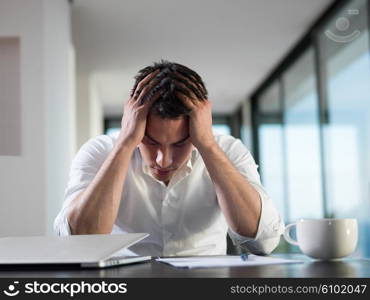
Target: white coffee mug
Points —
{"points": [[324, 238]]}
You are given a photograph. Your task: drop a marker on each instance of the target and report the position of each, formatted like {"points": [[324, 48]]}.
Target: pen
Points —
{"points": [[244, 256]]}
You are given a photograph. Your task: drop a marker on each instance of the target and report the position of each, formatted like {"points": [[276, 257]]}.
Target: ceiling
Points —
{"points": [[232, 44]]}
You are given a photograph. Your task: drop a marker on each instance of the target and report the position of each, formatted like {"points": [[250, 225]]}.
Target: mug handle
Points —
{"points": [[287, 236]]}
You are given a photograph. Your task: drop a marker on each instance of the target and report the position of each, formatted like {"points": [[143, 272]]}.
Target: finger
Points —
{"points": [[194, 87], [144, 82], [147, 92], [150, 101], [187, 93], [195, 81], [186, 100]]}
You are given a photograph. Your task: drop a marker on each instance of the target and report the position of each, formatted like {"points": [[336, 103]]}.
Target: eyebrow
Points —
{"points": [[178, 142]]}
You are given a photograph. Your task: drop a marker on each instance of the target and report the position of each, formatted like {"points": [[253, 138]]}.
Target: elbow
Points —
{"points": [[72, 220], [79, 225]]}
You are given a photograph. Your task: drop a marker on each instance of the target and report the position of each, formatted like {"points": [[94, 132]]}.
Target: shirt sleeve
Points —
{"points": [[271, 225], [84, 167]]}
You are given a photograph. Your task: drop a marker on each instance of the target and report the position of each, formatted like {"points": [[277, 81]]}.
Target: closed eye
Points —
{"points": [[180, 144], [148, 141]]}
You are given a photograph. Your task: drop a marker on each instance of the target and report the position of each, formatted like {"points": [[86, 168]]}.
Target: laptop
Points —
{"points": [[83, 251]]}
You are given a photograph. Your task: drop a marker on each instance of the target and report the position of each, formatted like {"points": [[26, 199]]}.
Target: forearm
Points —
{"points": [[94, 211], [238, 200]]}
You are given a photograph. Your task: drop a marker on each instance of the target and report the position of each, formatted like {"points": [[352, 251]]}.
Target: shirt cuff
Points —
{"points": [[269, 230]]}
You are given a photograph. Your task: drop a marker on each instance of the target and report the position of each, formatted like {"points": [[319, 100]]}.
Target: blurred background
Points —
{"points": [[290, 78]]}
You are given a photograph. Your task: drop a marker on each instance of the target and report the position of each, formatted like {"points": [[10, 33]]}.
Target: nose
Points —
{"points": [[164, 158]]}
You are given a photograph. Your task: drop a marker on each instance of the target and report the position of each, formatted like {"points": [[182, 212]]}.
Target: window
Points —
{"points": [[112, 125], [346, 78], [301, 125], [312, 118], [271, 156], [222, 129]]}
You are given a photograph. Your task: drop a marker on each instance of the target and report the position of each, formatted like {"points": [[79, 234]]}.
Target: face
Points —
{"points": [[166, 146]]}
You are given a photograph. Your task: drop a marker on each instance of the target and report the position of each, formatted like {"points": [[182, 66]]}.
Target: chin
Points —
{"points": [[162, 178]]}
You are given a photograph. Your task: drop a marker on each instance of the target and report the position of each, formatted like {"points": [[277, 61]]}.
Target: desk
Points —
{"points": [[349, 267]]}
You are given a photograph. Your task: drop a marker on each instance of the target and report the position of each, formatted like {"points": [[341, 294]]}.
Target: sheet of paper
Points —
{"points": [[223, 261]]}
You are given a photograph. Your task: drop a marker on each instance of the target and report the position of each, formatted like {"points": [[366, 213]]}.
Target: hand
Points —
{"points": [[200, 122], [135, 114]]}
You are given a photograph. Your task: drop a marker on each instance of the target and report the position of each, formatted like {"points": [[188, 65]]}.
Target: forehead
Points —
{"points": [[167, 130]]}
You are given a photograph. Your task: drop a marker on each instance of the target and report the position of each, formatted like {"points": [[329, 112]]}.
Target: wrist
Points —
{"points": [[125, 144], [207, 145]]}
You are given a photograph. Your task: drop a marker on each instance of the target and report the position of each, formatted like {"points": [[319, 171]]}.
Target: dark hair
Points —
{"points": [[170, 75]]}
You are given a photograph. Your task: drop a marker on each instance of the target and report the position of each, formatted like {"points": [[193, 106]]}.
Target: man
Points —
{"points": [[166, 174]]}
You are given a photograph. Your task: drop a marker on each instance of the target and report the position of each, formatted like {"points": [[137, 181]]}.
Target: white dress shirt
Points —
{"points": [[183, 218]]}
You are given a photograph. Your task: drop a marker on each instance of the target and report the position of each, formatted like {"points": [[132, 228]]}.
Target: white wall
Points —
{"points": [[58, 62], [96, 109], [10, 115], [82, 106], [32, 184], [89, 108]]}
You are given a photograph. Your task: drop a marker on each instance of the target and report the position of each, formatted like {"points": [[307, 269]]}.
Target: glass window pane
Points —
{"points": [[269, 101], [222, 129], [112, 131], [346, 71], [270, 132], [301, 120], [271, 153]]}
